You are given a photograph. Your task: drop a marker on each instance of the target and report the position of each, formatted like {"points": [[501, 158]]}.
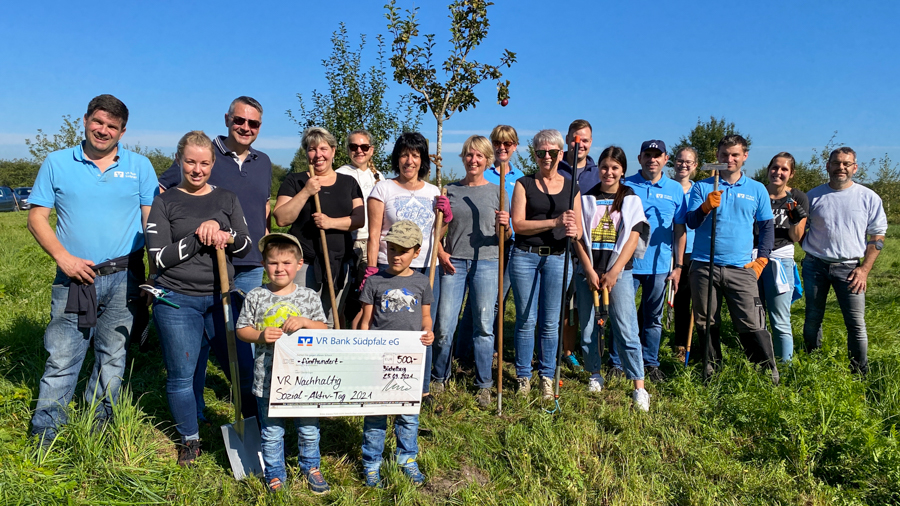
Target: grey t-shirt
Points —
{"points": [[262, 309], [839, 221], [397, 300], [471, 234]]}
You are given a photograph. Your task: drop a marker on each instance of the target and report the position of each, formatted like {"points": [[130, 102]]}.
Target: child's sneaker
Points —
{"points": [[572, 361], [317, 483], [484, 397], [373, 479], [413, 473], [524, 386], [641, 399], [274, 485], [188, 452], [595, 383], [547, 388], [436, 388]]}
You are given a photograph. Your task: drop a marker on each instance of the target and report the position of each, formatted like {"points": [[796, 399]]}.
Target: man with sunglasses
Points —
{"points": [[247, 172], [361, 149], [841, 214]]}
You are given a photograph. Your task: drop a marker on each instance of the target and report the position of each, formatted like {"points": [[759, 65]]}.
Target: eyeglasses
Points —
{"points": [[505, 144], [685, 162], [252, 123], [364, 147], [541, 153]]}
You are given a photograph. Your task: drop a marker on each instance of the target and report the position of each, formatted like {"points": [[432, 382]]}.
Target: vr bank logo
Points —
{"points": [[304, 341]]}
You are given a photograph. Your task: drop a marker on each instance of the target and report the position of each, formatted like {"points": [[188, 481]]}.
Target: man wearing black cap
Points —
{"points": [[664, 206]]}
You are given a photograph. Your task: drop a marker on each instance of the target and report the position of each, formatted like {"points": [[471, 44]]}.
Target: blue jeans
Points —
{"points": [[464, 345], [436, 293], [818, 277], [481, 278], [649, 317], [272, 434], [537, 286], [623, 323], [247, 277], [406, 429], [117, 296], [587, 321], [779, 306]]}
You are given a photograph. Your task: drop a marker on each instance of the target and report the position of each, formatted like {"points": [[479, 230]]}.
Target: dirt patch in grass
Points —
{"points": [[456, 480]]}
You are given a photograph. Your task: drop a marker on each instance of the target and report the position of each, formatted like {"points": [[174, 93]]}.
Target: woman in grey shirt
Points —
{"points": [[469, 259]]}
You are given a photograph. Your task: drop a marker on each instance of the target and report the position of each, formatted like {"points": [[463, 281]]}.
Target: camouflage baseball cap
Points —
{"points": [[279, 237], [404, 233]]}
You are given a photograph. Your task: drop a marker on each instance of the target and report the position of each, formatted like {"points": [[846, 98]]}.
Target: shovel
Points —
{"points": [[242, 439], [601, 313]]}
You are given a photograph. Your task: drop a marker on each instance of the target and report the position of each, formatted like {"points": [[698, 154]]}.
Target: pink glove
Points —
{"points": [[369, 272], [442, 204]]}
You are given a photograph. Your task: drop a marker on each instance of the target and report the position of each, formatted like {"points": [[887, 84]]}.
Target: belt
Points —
{"points": [[543, 251], [110, 269]]}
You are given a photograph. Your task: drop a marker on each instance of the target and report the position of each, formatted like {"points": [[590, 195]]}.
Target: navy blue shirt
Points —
{"points": [[588, 176], [251, 182], [743, 203], [664, 206]]}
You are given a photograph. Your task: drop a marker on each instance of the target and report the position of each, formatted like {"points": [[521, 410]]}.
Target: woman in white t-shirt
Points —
{"points": [[407, 197]]}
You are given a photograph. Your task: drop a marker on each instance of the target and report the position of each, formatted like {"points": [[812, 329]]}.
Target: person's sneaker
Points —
{"points": [[547, 388], [524, 386], [615, 372], [483, 398], [427, 401], [654, 374], [274, 485], [412, 472], [317, 483], [571, 361], [437, 388], [188, 452], [641, 399], [373, 479], [595, 383]]}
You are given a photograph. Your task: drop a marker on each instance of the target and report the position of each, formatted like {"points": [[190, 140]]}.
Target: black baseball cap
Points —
{"points": [[653, 144]]}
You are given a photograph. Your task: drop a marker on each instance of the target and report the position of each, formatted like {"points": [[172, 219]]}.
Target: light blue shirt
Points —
{"points": [[664, 206], [689, 232], [509, 180], [98, 213], [743, 203]]}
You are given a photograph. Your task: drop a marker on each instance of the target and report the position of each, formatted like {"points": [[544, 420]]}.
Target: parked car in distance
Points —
{"points": [[22, 193], [7, 199]]}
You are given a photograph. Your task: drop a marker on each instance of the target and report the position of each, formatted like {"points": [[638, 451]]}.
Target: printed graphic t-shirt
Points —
{"points": [[402, 204], [397, 300]]}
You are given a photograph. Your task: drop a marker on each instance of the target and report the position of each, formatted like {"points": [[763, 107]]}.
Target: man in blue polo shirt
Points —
{"points": [[102, 195], [741, 202], [248, 173], [664, 206]]}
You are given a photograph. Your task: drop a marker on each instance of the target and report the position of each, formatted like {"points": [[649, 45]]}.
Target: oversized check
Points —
{"points": [[347, 373]]}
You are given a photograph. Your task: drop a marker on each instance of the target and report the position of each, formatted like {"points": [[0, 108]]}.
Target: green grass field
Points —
{"points": [[821, 437]]}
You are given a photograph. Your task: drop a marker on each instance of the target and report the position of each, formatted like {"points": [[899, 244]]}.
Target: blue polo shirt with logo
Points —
{"points": [[743, 203], [251, 182], [664, 206], [98, 213]]}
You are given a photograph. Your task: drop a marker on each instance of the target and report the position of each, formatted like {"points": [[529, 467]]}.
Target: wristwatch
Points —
{"points": [[678, 266]]}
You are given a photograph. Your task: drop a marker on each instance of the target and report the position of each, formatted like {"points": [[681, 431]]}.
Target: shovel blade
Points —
{"points": [[244, 452]]}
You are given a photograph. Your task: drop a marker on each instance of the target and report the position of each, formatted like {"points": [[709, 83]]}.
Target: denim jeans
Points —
{"points": [[272, 435], [117, 296], [537, 284], [436, 293], [623, 324], [649, 317], [406, 429], [818, 277], [183, 333], [779, 306], [464, 344], [247, 277], [481, 278], [587, 321]]}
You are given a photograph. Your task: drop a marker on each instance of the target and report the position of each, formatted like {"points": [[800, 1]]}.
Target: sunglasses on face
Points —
{"points": [[541, 153], [252, 123], [363, 147], [505, 144]]}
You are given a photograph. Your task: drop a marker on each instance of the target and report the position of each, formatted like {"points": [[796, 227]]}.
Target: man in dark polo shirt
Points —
{"points": [[248, 173]]}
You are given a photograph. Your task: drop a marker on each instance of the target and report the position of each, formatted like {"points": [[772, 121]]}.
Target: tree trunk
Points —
{"points": [[437, 152]]}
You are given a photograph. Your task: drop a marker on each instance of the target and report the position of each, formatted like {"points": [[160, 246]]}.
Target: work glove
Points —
{"points": [[758, 265], [369, 272], [795, 211], [442, 204], [713, 200]]}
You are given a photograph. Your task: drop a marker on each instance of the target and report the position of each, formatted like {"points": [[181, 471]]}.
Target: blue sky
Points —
{"points": [[787, 73]]}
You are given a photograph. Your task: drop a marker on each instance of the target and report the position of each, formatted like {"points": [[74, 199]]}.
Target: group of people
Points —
{"points": [[373, 235]]}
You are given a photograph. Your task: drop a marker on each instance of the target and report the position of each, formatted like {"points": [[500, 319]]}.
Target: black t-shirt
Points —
{"points": [[607, 231], [337, 202], [782, 223], [542, 206], [186, 265]]}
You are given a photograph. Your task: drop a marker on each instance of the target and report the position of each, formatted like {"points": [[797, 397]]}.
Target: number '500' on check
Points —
{"points": [[347, 373]]}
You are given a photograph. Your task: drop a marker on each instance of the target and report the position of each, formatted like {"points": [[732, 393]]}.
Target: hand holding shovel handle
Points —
{"points": [[438, 227]]}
